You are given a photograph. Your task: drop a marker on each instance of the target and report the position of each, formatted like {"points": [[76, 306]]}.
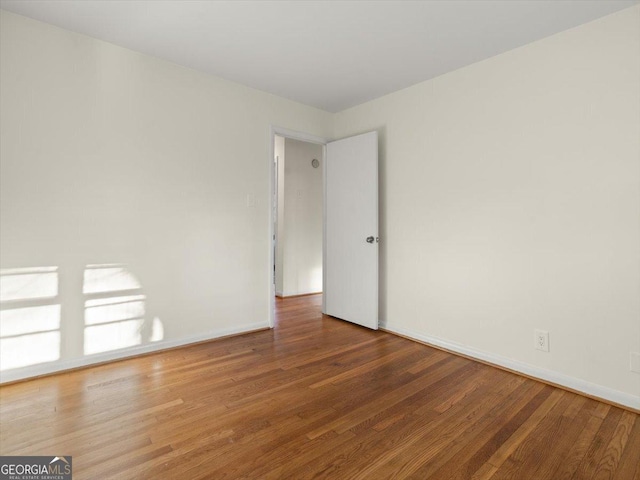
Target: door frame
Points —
{"points": [[304, 137]]}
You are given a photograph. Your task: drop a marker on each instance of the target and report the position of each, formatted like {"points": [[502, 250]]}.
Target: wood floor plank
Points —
{"points": [[579, 449], [525, 451], [612, 454], [413, 451], [315, 397], [591, 460], [568, 427], [462, 453], [629, 466], [497, 448]]}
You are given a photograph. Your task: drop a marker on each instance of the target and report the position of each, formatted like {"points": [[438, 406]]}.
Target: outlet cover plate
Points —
{"points": [[541, 340]]}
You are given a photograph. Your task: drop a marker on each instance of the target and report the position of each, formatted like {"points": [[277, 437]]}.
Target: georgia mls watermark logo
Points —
{"points": [[35, 468]]}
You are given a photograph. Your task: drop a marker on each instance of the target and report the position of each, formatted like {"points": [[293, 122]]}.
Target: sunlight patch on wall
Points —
{"points": [[157, 330], [28, 283], [32, 313], [24, 321], [29, 318], [112, 336], [32, 349], [115, 310], [113, 323], [108, 278]]}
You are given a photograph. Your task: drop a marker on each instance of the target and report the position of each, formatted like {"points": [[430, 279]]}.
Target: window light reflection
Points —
{"points": [[108, 278], [29, 317]]}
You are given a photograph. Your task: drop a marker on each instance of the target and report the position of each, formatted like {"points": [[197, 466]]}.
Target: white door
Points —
{"points": [[351, 230]]}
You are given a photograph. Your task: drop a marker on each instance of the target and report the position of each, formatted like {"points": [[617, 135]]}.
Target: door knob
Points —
{"points": [[370, 239]]}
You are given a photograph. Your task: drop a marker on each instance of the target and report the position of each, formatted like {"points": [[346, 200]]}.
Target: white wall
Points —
{"points": [[301, 209], [114, 157], [510, 200]]}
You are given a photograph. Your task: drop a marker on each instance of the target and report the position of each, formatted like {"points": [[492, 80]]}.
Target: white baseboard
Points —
{"points": [[62, 365], [550, 376]]}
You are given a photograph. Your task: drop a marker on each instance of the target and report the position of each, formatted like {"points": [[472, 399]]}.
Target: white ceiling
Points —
{"points": [[328, 54]]}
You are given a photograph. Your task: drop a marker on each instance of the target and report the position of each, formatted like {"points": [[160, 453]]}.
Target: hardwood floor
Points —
{"points": [[315, 398]]}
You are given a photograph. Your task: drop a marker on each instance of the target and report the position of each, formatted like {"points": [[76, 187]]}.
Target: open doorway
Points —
{"points": [[347, 174], [298, 217]]}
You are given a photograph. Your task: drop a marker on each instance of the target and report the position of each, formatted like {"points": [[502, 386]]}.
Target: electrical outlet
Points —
{"points": [[541, 340], [634, 362]]}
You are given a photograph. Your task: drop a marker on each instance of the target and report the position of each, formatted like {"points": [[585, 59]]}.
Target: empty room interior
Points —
{"points": [[313, 239]]}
